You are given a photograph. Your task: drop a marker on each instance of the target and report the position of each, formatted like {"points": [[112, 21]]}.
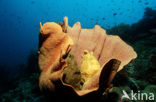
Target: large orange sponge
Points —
{"points": [[54, 45]]}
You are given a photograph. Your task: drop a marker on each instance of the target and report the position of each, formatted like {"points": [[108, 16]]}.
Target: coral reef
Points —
{"points": [[137, 31], [26, 90], [4, 80], [122, 30], [138, 75], [142, 37]]}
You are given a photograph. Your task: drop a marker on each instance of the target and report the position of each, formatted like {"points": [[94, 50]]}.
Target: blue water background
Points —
{"points": [[19, 20]]}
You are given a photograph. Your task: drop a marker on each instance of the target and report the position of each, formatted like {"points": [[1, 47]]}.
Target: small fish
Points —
{"points": [[103, 18], [91, 19], [114, 14], [32, 2], [146, 3]]}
